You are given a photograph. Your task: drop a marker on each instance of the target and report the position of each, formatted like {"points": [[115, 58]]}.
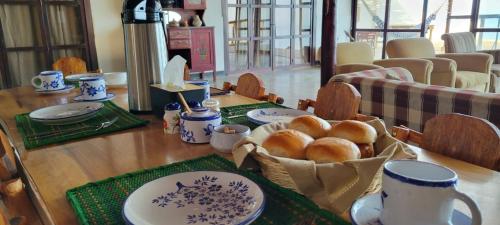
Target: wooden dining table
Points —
{"points": [[51, 170]]}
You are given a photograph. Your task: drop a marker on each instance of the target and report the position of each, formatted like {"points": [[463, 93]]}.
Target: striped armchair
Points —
{"points": [[404, 102]]}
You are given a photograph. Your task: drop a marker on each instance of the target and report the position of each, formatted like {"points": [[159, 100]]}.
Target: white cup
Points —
{"points": [[421, 193], [48, 81], [93, 88]]}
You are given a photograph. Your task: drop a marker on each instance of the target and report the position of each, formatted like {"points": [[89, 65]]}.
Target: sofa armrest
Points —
{"points": [[477, 62], [420, 69], [354, 67], [495, 53]]}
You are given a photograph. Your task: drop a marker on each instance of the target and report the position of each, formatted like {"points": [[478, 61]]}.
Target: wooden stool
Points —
{"points": [[459, 136], [250, 85]]}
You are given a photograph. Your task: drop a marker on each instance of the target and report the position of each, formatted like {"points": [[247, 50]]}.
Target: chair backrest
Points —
{"points": [[462, 42], [250, 85], [70, 65], [410, 48], [354, 52], [337, 101], [463, 137]]}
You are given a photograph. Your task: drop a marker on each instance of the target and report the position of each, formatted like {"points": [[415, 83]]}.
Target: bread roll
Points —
{"points": [[355, 131], [331, 149], [311, 125], [366, 150], [287, 143]]}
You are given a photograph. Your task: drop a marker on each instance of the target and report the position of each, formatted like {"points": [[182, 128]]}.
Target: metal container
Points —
{"points": [[145, 50]]}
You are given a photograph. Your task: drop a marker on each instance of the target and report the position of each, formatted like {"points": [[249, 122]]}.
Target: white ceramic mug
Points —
{"points": [[93, 88], [421, 193], [48, 81], [224, 142]]}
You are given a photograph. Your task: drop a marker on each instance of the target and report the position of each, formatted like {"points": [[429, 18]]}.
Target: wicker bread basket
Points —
{"points": [[333, 186]]}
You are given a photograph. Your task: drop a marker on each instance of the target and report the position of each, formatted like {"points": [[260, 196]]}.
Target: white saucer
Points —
{"points": [[366, 211], [66, 89], [109, 96], [270, 115]]}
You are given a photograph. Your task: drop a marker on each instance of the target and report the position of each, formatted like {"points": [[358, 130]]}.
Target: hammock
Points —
{"points": [[379, 23]]}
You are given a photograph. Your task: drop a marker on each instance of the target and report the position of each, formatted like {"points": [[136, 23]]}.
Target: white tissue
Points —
{"points": [[174, 73]]}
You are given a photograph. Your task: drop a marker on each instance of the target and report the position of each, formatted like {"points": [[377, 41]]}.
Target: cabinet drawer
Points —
{"points": [[179, 34], [179, 44]]}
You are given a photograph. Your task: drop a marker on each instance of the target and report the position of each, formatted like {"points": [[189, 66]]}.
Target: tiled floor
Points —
{"points": [[291, 84]]}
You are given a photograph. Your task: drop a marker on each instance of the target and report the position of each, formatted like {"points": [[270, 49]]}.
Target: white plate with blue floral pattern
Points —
{"points": [[197, 198], [270, 115], [366, 211]]}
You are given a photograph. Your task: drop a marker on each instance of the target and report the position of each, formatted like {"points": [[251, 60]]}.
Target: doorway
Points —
{"points": [[267, 33]]}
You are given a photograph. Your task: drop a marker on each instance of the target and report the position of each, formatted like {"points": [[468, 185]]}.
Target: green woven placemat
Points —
{"points": [[101, 202], [28, 127], [237, 114]]}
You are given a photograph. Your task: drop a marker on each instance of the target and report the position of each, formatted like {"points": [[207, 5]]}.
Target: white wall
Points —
{"points": [[109, 33]]}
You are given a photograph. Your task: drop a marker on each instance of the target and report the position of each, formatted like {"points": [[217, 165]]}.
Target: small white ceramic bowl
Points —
{"points": [[224, 142], [115, 79]]}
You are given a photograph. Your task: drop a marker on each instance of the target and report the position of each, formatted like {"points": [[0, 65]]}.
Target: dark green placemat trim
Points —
{"points": [[126, 120], [101, 202], [241, 110]]}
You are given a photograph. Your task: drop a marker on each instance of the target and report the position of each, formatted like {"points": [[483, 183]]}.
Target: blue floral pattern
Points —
{"points": [[186, 134], [218, 204], [209, 129]]}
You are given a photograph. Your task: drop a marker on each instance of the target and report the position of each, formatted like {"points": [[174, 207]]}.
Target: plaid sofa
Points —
{"points": [[404, 102]]}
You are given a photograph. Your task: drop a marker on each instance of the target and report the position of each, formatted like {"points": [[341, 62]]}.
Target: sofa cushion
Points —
{"points": [[472, 80], [393, 73]]}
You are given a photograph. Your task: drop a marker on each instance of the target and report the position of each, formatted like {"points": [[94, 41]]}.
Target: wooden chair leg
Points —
{"points": [[214, 76]]}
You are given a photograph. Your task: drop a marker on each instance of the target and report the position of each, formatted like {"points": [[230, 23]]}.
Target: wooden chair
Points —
{"points": [[70, 65], [14, 195], [335, 101], [252, 86], [459, 136]]}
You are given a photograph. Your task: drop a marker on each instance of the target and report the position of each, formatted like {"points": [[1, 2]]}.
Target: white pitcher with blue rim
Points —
{"points": [[421, 193]]}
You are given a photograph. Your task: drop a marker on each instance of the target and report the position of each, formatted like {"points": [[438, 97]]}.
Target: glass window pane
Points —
{"points": [[374, 39], [489, 14], [65, 24], [238, 55], [282, 52], [402, 35], [302, 51], [262, 17], [262, 2], [237, 2], [461, 7], [459, 25], [282, 18], [436, 27], [24, 65], [405, 14], [303, 21], [283, 2], [370, 14], [21, 25], [488, 40], [304, 2], [262, 54], [237, 19], [60, 53]]}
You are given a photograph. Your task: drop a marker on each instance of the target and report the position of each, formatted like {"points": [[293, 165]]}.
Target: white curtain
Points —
{"points": [[65, 27]]}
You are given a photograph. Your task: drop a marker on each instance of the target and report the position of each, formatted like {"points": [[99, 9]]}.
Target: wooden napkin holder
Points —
{"points": [[162, 95]]}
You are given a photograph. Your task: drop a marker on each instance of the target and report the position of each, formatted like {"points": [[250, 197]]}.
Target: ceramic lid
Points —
{"points": [[172, 106], [200, 114]]}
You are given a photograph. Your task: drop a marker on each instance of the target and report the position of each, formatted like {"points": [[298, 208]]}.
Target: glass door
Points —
{"points": [[268, 33]]}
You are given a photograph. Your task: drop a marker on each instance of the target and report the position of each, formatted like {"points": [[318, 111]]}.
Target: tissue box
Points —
{"points": [[161, 95]]}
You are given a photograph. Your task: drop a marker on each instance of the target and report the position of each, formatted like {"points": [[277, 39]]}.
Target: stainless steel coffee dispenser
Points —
{"points": [[145, 50]]}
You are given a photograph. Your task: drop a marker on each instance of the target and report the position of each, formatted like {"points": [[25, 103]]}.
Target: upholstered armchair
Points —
{"points": [[460, 70], [358, 56], [464, 42]]}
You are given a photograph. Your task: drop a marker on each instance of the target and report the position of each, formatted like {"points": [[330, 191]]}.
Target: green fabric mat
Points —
{"points": [[101, 202], [237, 114], [28, 127]]}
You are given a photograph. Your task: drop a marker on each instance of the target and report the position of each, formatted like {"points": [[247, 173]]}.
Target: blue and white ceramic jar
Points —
{"points": [[198, 126], [93, 88], [204, 84]]}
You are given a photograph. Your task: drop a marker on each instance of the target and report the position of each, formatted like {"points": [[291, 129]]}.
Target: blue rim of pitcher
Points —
{"points": [[419, 182], [48, 73]]}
